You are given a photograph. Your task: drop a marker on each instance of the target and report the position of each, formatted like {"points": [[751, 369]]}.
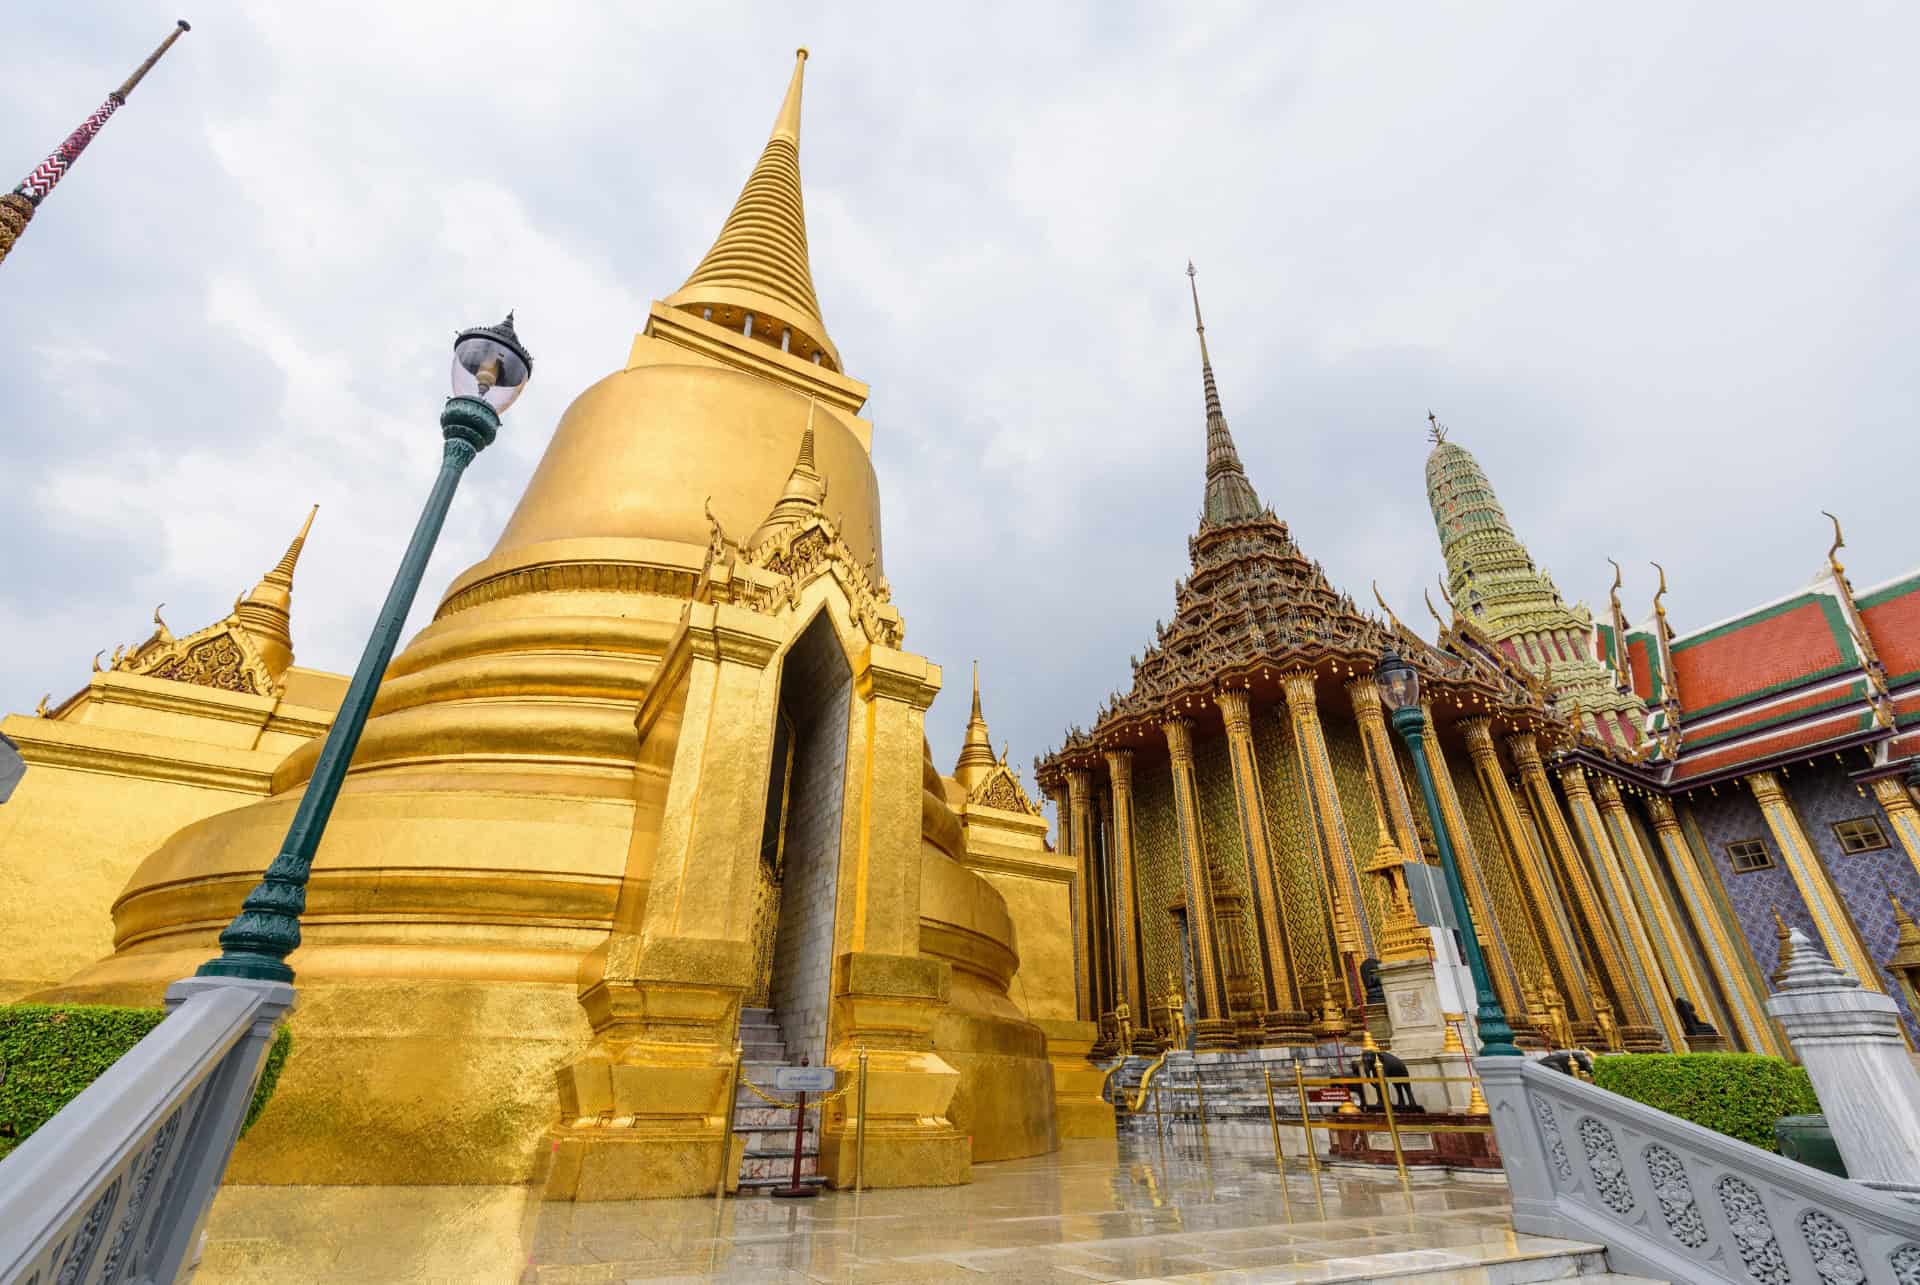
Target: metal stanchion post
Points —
{"points": [[1200, 1098], [1393, 1131], [1159, 1120], [1279, 1160], [860, 1130], [1306, 1131]]}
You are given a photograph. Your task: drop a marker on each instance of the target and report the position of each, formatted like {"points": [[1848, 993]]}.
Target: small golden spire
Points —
{"points": [[265, 612], [800, 500], [976, 759], [1784, 950]]}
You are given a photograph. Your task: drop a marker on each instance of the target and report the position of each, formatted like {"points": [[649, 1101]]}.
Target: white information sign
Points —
{"points": [[808, 1079]]}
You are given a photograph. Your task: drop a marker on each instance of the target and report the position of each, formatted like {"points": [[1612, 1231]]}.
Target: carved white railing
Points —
{"points": [[1676, 1201], [116, 1187]]}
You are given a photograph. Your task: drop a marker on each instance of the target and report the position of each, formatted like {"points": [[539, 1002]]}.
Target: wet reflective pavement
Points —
{"points": [[1131, 1210]]}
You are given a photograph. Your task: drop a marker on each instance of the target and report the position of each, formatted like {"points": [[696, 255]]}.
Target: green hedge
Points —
{"points": [[50, 1052], [1738, 1094]]}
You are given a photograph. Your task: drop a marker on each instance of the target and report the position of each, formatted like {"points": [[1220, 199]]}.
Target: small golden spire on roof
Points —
{"points": [[976, 759], [805, 491], [265, 611], [1436, 431]]}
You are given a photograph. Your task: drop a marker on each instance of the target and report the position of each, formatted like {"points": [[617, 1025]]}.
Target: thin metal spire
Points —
{"points": [[1230, 496], [18, 206]]}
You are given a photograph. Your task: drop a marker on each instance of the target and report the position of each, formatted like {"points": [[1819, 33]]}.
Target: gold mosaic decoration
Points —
{"points": [[1296, 848], [1226, 855], [1157, 867]]}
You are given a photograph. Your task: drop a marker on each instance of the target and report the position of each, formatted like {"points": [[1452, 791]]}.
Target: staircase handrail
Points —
{"points": [[117, 1185], [1145, 1086], [1673, 1200]]}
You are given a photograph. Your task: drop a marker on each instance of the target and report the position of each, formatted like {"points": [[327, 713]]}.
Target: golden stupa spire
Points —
{"points": [[976, 748], [800, 499], [757, 279], [265, 611]]}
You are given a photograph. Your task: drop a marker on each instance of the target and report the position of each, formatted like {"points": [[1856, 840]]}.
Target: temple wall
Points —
{"points": [[1227, 854], [1509, 901], [1157, 860], [1729, 815], [1823, 795], [1357, 807], [1290, 834]]}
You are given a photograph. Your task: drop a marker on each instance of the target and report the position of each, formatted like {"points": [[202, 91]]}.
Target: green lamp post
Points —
{"points": [[490, 368], [1399, 684]]}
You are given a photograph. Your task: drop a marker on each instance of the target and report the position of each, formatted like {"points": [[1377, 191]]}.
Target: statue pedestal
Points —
{"points": [[1079, 1110], [1413, 1008], [1420, 1034]]}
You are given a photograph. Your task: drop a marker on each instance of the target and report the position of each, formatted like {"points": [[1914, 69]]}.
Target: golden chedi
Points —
{"points": [[659, 754]]}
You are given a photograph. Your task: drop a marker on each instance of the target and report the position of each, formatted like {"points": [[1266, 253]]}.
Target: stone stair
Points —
{"points": [[768, 1160]]}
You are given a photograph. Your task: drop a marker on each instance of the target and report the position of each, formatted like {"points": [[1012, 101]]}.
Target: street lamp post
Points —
{"points": [[1399, 684], [490, 368]]}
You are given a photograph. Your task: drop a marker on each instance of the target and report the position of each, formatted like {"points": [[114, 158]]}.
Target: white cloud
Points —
{"points": [[1654, 267]]}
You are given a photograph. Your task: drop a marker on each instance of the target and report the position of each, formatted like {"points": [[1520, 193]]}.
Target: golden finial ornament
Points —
{"points": [[1839, 543]]}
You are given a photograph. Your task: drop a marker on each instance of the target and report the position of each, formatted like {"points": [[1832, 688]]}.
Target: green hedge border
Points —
{"points": [[49, 1053], [1737, 1094]]}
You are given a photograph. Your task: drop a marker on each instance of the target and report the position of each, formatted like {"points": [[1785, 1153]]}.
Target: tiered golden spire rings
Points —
{"points": [[757, 277]]}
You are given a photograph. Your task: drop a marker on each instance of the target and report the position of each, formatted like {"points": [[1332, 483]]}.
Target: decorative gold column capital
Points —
{"points": [[1120, 769], [1892, 795], [1525, 748], [1660, 811], [1179, 734], [1573, 779], [1607, 790], [1079, 785], [1766, 788], [1365, 694], [1236, 710], [1479, 734], [1301, 688]]}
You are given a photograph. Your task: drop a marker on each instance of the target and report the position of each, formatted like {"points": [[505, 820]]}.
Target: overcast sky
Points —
{"points": [[1654, 264]]}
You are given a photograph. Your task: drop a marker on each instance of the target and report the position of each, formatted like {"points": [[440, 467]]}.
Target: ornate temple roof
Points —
{"points": [[1255, 606], [758, 265]]}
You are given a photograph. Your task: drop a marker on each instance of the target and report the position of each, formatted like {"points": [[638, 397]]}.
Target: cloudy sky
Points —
{"points": [[1654, 263]]}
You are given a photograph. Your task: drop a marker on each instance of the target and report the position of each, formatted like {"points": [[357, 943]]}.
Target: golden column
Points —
{"points": [[1285, 1022], [1080, 827], [1506, 980], [1063, 810], [1843, 944], [1353, 936], [1556, 937], [1214, 1029], [1385, 767], [1898, 805], [1653, 989], [1132, 989], [1574, 878], [1723, 952], [1397, 841], [1669, 942]]}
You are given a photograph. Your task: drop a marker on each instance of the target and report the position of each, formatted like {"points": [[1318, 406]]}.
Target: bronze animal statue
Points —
{"points": [[1403, 1099], [1566, 1059]]}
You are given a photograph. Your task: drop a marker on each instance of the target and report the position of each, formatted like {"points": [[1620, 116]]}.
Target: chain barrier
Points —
{"points": [[813, 1104]]}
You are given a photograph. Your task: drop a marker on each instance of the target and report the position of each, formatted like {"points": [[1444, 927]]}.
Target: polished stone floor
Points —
{"points": [[1094, 1211]]}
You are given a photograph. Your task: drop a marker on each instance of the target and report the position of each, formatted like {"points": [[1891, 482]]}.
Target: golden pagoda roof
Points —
{"points": [[758, 265]]}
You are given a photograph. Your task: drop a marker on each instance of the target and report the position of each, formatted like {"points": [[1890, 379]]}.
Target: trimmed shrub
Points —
{"points": [[1738, 1094], [50, 1052]]}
